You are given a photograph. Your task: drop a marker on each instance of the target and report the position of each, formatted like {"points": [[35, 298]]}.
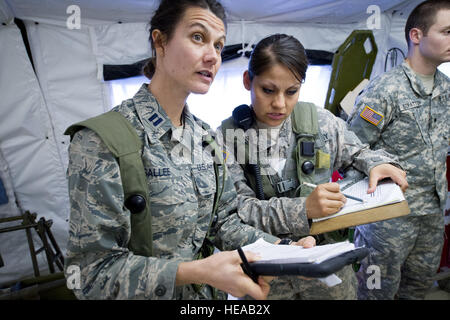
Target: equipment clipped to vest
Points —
{"points": [[307, 167], [307, 150], [135, 203]]}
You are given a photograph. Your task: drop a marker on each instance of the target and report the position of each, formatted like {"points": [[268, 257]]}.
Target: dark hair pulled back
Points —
{"points": [[167, 17], [278, 49]]}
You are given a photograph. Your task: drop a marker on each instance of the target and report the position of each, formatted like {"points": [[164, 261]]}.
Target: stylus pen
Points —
{"points": [[246, 266], [346, 195]]}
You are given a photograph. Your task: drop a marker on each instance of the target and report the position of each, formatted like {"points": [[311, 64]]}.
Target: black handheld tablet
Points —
{"points": [[311, 270]]}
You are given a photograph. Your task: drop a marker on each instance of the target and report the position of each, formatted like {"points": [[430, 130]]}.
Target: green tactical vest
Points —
{"points": [[305, 126], [123, 142]]}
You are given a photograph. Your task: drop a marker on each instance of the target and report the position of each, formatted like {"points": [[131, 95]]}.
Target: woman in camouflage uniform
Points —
{"points": [[277, 68]]}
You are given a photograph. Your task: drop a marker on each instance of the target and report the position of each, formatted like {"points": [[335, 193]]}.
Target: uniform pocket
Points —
{"points": [[205, 187], [439, 125], [204, 180], [171, 191], [173, 205], [405, 133], [322, 176], [408, 115]]}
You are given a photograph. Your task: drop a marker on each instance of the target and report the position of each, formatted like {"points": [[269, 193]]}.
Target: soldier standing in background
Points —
{"points": [[406, 112]]}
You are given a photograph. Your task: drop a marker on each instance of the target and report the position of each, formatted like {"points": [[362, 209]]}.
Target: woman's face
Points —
{"points": [[190, 60], [274, 94]]}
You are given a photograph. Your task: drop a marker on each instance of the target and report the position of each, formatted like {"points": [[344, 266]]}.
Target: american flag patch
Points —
{"points": [[371, 115]]}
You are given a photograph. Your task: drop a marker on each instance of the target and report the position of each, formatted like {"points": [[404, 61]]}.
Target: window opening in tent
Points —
{"points": [[227, 91], [445, 68]]}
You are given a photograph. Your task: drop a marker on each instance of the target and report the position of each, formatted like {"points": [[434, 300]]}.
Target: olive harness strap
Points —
{"points": [[123, 142]]}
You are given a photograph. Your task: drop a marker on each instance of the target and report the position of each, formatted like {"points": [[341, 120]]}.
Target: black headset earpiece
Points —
{"points": [[243, 117]]}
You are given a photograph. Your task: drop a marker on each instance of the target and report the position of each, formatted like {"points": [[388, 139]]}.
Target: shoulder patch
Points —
{"points": [[371, 115]]}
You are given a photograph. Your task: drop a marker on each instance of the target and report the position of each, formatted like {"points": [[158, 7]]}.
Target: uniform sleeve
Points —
{"points": [[351, 151], [230, 230], [361, 123], [99, 231], [284, 217]]}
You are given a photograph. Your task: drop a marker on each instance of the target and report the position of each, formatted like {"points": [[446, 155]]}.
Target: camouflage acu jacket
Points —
{"points": [[394, 113], [182, 186], [286, 215]]}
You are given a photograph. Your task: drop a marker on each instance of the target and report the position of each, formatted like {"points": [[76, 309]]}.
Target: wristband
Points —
{"points": [[285, 241]]}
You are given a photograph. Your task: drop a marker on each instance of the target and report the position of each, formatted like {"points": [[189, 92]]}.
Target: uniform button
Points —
{"points": [[160, 290]]}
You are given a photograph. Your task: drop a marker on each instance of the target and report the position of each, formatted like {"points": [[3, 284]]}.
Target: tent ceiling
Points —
{"points": [[99, 11]]}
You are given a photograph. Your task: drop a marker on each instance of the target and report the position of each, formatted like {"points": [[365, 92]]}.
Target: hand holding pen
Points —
{"points": [[346, 195], [324, 200]]}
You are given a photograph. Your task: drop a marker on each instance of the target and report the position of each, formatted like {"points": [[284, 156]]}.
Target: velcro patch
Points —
{"points": [[322, 160], [371, 115]]}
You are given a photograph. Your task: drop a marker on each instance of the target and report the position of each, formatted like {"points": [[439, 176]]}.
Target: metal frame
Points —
{"points": [[49, 244]]}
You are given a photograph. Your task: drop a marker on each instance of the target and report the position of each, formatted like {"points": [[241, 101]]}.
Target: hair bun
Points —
{"points": [[149, 68]]}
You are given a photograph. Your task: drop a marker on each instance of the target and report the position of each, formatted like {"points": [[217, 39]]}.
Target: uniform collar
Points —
{"points": [[286, 129], [193, 123], [441, 84], [418, 86], [155, 119]]}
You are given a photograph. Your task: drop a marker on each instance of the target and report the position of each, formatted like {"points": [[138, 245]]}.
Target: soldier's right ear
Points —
{"points": [[415, 35]]}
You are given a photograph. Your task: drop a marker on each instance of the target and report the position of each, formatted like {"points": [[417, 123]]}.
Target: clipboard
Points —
{"points": [[386, 212], [310, 270]]}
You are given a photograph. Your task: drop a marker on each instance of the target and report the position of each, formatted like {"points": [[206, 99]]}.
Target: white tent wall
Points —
{"points": [[67, 85], [11, 260], [133, 45], [67, 71], [326, 37], [5, 12], [28, 144]]}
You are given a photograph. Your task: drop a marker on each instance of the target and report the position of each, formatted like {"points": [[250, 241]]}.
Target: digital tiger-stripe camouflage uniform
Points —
{"points": [[284, 215], [181, 199], [397, 114]]}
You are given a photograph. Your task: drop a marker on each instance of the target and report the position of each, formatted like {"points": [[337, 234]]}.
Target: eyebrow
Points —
{"points": [[201, 26], [270, 83]]}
